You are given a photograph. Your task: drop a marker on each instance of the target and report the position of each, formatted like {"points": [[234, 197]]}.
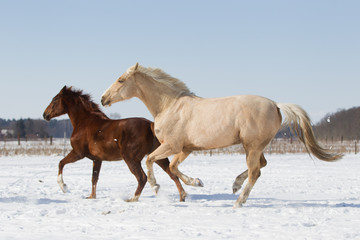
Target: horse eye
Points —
{"points": [[121, 81]]}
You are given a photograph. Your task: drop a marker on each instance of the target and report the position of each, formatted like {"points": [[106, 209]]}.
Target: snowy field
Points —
{"points": [[295, 198]]}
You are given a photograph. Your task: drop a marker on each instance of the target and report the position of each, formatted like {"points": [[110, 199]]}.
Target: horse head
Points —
{"points": [[57, 106], [123, 88]]}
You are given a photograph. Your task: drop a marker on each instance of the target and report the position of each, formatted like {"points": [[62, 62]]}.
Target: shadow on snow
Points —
{"points": [[22, 199], [274, 202]]}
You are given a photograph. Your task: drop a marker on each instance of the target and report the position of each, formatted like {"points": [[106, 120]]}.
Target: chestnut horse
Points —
{"points": [[99, 138], [185, 122]]}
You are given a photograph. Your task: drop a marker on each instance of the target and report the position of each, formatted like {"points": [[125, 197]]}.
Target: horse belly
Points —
{"points": [[208, 136], [105, 151]]}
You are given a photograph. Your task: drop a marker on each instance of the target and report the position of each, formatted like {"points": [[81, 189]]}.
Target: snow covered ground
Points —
{"points": [[295, 198]]}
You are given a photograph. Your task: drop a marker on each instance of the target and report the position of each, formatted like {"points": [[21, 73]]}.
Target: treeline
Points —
{"points": [[34, 128], [344, 124]]}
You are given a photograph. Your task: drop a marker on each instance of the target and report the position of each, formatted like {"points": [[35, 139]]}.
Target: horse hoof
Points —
{"points": [[64, 188], [236, 187], [198, 183], [156, 188], [183, 196], [133, 199], [237, 205], [91, 197]]}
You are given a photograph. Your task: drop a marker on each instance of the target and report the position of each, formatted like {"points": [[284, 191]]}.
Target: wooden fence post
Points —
{"points": [[355, 148], [64, 143]]}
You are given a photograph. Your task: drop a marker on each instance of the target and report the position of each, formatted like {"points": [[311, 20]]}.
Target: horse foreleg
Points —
{"points": [[95, 178], [136, 169], [253, 163], [163, 151], [179, 158], [70, 158], [164, 164]]}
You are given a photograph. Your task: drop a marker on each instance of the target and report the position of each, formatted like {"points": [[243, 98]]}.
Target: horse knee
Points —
{"points": [[148, 161]]}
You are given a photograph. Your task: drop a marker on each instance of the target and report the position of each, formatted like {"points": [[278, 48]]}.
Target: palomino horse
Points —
{"points": [[185, 122], [99, 138]]}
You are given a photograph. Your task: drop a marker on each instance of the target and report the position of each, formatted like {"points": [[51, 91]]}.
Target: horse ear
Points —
{"points": [[136, 66], [63, 89]]}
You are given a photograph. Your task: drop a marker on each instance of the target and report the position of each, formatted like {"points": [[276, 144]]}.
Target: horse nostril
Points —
{"points": [[46, 116], [103, 102]]}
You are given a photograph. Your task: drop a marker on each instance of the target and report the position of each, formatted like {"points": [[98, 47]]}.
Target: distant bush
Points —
{"points": [[342, 125]]}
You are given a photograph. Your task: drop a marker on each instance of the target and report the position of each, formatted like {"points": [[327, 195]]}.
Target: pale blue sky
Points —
{"points": [[303, 52]]}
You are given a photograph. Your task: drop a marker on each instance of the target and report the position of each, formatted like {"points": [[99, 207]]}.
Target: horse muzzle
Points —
{"points": [[46, 116], [105, 102]]}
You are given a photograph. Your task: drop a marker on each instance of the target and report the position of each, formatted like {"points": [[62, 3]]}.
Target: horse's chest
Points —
{"points": [[168, 125], [168, 133]]}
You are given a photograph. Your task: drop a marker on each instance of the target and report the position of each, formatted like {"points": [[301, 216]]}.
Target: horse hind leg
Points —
{"points": [[95, 178], [254, 165], [164, 164], [136, 169], [239, 180]]}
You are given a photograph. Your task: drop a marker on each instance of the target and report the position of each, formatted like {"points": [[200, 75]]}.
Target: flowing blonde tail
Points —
{"points": [[299, 122]]}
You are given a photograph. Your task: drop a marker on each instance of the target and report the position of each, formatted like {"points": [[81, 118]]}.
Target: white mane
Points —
{"points": [[161, 77]]}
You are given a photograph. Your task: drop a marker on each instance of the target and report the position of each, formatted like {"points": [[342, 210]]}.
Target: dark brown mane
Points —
{"points": [[86, 101]]}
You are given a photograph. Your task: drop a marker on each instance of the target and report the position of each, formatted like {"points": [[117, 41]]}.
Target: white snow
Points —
{"points": [[296, 197]]}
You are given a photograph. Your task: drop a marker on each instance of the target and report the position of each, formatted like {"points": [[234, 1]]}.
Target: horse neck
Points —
{"points": [[77, 113], [154, 95]]}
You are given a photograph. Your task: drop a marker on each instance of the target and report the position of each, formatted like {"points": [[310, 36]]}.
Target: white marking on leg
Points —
{"points": [[133, 199], [61, 183]]}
